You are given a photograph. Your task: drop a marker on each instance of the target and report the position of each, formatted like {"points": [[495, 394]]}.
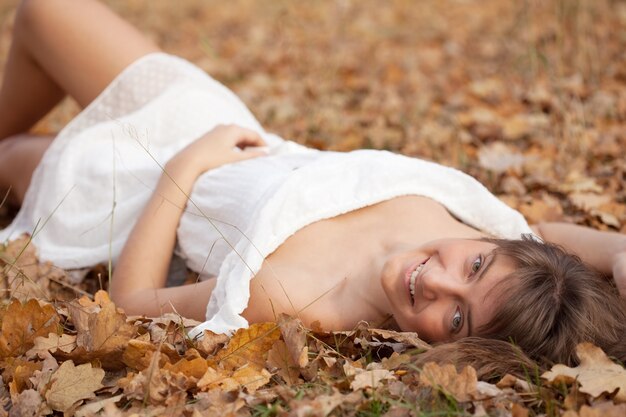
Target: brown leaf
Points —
{"points": [[280, 360], [294, 336], [323, 405], [20, 270], [408, 339], [94, 407], [157, 387], [195, 367], [249, 377], [499, 157], [461, 386], [546, 209], [29, 403], [210, 342], [70, 384], [139, 354], [102, 330], [106, 331], [22, 323], [64, 343], [588, 201], [597, 374], [19, 371], [249, 346], [370, 379]]}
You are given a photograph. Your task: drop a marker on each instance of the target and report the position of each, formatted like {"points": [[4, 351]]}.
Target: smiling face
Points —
{"points": [[441, 290]]}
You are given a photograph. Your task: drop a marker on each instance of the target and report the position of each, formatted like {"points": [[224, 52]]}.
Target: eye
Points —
{"points": [[478, 262], [457, 320]]}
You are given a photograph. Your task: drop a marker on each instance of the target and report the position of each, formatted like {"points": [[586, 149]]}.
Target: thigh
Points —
{"points": [[19, 156], [81, 44]]}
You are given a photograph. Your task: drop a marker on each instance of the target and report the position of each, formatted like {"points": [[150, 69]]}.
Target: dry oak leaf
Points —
{"points": [[29, 403], [322, 405], [279, 360], [18, 371], [463, 386], [294, 335], [248, 377], [596, 373], [210, 342], [139, 354], [22, 323], [195, 367], [70, 384], [370, 379], [52, 343], [403, 340], [249, 346], [156, 386], [607, 409], [106, 330]]}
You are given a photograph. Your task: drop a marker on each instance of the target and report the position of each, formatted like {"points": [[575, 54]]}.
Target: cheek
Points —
{"points": [[427, 324]]}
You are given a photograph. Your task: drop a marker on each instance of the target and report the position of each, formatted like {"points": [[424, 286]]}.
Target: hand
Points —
{"points": [[222, 145]]}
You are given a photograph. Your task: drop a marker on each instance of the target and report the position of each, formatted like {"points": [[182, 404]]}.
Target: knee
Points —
{"points": [[31, 13]]}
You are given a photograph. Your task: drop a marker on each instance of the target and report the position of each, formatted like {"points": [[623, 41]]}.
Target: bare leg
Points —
{"points": [[63, 47], [60, 47], [19, 156]]}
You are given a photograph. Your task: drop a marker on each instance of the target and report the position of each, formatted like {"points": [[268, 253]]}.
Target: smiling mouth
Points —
{"points": [[413, 279]]}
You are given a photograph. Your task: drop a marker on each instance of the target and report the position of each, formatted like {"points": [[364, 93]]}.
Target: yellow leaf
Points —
{"points": [[596, 373], [22, 323], [71, 384], [195, 367], [249, 346], [247, 377]]}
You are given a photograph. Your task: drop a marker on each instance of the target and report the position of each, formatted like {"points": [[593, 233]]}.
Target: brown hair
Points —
{"points": [[556, 301]]}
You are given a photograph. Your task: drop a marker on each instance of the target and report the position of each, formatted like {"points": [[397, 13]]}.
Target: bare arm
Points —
{"points": [[605, 251], [141, 272]]}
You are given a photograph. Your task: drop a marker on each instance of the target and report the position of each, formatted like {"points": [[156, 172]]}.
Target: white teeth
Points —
{"points": [[414, 275]]}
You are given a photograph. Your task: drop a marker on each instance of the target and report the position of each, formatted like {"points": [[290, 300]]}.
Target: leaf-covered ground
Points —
{"points": [[528, 96]]}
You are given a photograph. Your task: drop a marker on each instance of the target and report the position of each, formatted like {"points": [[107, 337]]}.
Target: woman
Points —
{"points": [[329, 237]]}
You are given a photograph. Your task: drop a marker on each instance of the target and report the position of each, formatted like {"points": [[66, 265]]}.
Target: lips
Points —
{"points": [[411, 278]]}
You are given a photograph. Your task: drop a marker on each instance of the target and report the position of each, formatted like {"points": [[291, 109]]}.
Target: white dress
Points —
{"points": [[97, 175]]}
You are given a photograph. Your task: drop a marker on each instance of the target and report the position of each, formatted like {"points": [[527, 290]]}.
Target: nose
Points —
{"points": [[438, 283]]}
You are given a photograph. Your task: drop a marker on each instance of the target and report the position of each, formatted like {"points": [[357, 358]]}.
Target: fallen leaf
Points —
{"points": [[210, 342], [70, 384], [29, 403], [53, 343], [588, 201], [294, 336], [94, 407], [370, 379], [249, 346], [22, 323], [461, 386], [408, 339], [596, 374], [280, 360], [499, 157], [194, 368], [249, 377]]}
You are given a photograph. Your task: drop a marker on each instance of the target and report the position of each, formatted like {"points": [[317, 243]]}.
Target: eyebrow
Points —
{"points": [[490, 259]]}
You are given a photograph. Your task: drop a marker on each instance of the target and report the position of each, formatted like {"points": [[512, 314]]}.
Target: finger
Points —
{"points": [[251, 154], [247, 137]]}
